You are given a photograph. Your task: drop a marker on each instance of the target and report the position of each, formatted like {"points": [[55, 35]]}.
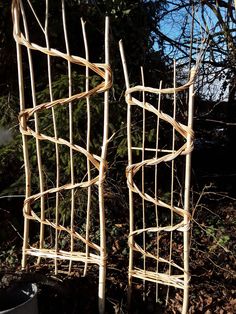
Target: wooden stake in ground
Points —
{"points": [[129, 145], [102, 268], [187, 199]]}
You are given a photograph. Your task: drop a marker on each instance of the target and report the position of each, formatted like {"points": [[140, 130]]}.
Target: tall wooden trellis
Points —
{"points": [[158, 139], [45, 205], [165, 217]]}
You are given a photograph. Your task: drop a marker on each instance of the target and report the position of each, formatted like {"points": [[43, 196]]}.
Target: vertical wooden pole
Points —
{"points": [[37, 127], [69, 74], [89, 190], [55, 133], [187, 200], [156, 189], [172, 181], [24, 137], [129, 146], [102, 268], [143, 183]]}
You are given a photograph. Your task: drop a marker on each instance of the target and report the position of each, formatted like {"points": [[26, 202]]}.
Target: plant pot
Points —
{"points": [[21, 298]]}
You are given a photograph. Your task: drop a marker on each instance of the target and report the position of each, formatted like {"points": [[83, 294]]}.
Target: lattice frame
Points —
{"points": [[139, 236], [31, 130]]}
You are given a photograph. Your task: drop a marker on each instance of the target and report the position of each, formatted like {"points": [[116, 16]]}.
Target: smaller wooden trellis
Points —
{"points": [[163, 219], [43, 204]]}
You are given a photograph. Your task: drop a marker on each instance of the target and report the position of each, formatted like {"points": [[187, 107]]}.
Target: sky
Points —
{"points": [[179, 22]]}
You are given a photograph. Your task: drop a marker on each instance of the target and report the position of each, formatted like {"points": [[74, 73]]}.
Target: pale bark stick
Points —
{"points": [[35, 15], [38, 146], [187, 200], [191, 37], [70, 131], [172, 181], [87, 143], [148, 149], [102, 268], [156, 187], [55, 134], [24, 140], [143, 183], [129, 147]]}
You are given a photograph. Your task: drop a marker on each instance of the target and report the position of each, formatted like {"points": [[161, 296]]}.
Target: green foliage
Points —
{"points": [[219, 235], [224, 240], [8, 108], [210, 231], [11, 162], [131, 21], [9, 258]]}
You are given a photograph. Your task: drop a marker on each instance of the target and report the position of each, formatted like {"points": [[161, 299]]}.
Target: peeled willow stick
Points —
{"points": [[102, 268], [187, 199], [36, 122], [72, 217], [87, 144], [24, 139], [172, 181], [55, 134], [156, 189], [143, 182], [130, 178]]}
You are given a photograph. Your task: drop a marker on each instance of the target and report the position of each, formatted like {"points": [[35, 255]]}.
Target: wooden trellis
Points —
{"points": [[159, 143], [47, 210]]}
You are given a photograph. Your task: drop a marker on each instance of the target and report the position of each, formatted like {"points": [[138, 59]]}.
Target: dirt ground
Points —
{"points": [[212, 264]]}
